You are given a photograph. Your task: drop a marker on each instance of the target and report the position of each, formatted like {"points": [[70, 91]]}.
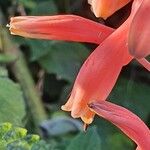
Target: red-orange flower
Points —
{"points": [[105, 8], [100, 71], [126, 121], [139, 32], [99, 74], [59, 27]]}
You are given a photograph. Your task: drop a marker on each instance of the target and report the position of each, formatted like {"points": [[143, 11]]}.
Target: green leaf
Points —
{"points": [[89, 140], [132, 95], [16, 138], [64, 59], [38, 48], [119, 142], [45, 8], [3, 72], [12, 108], [28, 3]]}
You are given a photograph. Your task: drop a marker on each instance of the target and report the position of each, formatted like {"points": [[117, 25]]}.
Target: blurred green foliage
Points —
{"points": [[16, 138], [11, 97], [53, 65]]}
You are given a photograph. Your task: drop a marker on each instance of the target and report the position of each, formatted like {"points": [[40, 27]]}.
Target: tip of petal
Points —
{"points": [[65, 108], [86, 120]]}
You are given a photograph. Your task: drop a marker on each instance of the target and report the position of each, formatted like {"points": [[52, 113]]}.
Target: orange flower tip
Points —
{"points": [[87, 120], [64, 108]]}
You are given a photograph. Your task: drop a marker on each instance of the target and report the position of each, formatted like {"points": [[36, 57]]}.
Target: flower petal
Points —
{"points": [[99, 73], [139, 35], [128, 122], [105, 8], [59, 27]]}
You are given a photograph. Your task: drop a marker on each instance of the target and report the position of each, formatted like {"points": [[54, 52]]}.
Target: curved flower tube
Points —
{"points": [[138, 43], [100, 71], [125, 120], [98, 74], [59, 27], [139, 34], [105, 8]]}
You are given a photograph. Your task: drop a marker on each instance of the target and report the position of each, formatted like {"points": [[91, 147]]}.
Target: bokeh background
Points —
{"points": [[36, 78]]}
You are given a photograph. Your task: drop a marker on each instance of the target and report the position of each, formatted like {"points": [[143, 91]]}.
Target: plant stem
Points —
{"points": [[34, 102], [22, 74]]}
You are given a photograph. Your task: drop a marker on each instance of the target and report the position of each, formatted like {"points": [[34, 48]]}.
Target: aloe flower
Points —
{"points": [[100, 71], [105, 8], [126, 121]]}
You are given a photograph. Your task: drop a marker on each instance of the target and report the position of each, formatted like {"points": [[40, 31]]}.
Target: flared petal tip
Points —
{"points": [[65, 108], [86, 120], [11, 26], [16, 26], [86, 117]]}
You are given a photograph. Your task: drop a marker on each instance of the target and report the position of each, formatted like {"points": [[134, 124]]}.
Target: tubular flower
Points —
{"points": [[98, 74], [59, 27], [126, 121], [139, 37], [105, 8], [100, 71], [139, 31]]}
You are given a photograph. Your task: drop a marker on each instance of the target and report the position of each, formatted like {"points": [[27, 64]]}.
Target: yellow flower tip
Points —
{"points": [[86, 116], [87, 120], [105, 8]]}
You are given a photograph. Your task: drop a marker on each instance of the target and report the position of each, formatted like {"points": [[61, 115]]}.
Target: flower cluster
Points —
{"points": [[100, 71]]}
